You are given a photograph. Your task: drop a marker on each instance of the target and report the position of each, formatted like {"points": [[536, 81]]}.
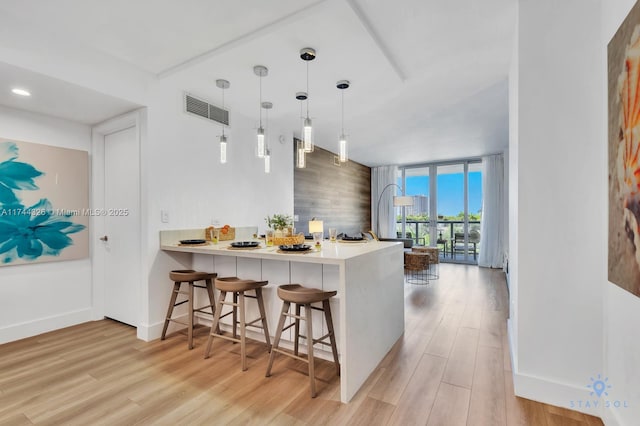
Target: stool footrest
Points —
{"points": [[321, 339], [224, 302], [202, 310], [290, 354], [253, 322], [179, 322], [222, 336], [207, 306], [294, 316], [181, 292], [226, 315], [288, 326], [250, 324], [199, 286], [180, 303], [318, 340]]}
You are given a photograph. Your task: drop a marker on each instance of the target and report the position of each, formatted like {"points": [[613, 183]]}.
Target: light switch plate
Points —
{"points": [[164, 216]]}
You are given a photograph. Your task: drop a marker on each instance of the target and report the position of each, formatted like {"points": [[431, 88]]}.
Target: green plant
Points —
{"points": [[279, 221]]}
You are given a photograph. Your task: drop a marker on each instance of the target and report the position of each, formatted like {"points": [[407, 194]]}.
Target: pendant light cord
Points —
{"points": [[307, 89], [223, 109], [260, 104], [342, 112], [266, 124]]}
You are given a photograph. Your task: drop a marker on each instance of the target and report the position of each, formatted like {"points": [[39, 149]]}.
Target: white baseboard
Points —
{"points": [[42, 325], [511, 335], [149, 332], [556, 393], [552, 392]]}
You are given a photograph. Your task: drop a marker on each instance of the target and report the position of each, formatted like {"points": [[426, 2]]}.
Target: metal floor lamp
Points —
{"points": [[398, 201]]}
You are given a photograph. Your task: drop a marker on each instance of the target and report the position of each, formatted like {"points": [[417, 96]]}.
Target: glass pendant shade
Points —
{"points": [[261, 147], [267, 162], [343, 149], [307, 135], [223, 149], [342, 85], [300, 155]]}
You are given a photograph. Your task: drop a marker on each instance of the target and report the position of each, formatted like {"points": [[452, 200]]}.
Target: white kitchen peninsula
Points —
{"points": [[368, 311]]}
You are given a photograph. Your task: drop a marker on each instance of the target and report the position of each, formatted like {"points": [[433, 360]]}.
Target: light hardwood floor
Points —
{"points": [[450, 368]]}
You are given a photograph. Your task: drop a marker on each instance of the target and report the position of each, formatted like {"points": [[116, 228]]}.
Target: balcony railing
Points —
{"points": [[418, 231]]}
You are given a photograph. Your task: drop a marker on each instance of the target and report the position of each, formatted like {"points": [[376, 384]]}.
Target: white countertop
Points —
{"points": [[330, 253]]}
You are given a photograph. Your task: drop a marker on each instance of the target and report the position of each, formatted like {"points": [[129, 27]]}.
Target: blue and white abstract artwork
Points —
{"points": [[44, 197]]}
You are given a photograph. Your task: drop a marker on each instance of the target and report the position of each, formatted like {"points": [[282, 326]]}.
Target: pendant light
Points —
{"points": [[301, 161], [300, 153], [223, 84], [307, 54], [267, 160], [267, 152], [260, 71], [343, 85]]}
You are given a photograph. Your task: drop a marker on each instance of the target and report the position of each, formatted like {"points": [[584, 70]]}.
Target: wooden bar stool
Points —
{"points": [[189, 276], [304, 297], [238, 287]]}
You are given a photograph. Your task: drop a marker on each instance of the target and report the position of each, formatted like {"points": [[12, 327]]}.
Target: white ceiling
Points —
{"points": [[56, 97], [428, 76]]}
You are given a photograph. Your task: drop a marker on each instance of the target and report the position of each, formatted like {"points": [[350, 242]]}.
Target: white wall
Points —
{"points": [[559, 241], [45, 296], [184, 176], [622, 309], [513, 201]]}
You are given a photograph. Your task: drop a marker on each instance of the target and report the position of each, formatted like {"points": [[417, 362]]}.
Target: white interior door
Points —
{"points": [[121, 215]]}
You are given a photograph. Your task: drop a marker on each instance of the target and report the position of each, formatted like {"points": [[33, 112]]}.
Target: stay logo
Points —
{"points": [[599, 387]]}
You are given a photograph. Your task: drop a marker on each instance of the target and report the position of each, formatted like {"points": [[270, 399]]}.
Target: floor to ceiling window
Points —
{"points": [[446, 210]]}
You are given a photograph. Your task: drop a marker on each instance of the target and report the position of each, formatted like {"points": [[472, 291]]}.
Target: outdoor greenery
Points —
{"points": [[445, 226], [425, 217]]}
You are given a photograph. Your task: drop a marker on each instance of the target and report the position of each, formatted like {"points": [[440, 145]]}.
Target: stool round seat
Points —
{"points": [[234, 284], [295, 293], [187, 275]]}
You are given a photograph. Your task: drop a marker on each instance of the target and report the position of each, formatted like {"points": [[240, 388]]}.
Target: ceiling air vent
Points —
{"points": [[204, 109]]}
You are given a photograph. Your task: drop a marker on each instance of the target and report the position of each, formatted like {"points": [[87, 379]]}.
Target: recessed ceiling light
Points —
{"points": [[20, 92]]}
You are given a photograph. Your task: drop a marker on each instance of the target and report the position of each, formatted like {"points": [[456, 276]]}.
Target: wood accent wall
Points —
{"points": [[340, 196]]}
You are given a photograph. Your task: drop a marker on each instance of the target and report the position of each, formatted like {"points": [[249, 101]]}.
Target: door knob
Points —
{"points": [[105, 238]]}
